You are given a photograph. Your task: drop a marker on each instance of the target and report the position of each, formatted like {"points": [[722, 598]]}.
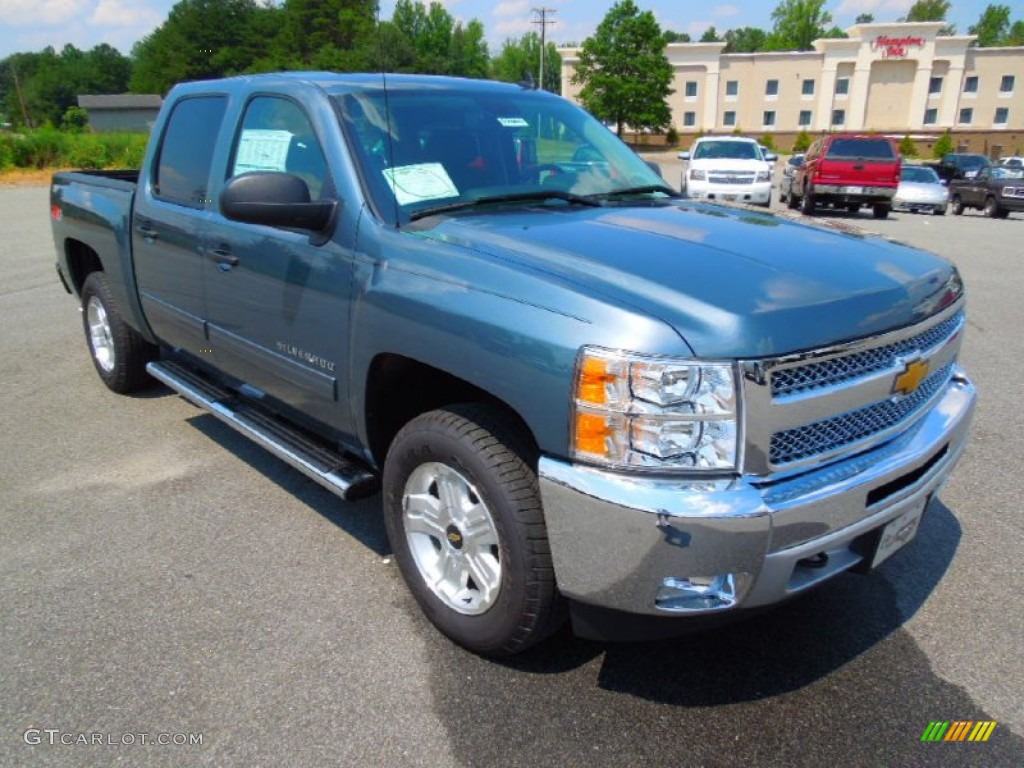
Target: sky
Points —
{"points": [[31, 25]]}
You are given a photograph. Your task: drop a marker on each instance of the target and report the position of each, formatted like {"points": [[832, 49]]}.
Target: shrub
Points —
{"points": [[672, 136], [907, 147], [75, 120], [87, 150], [768, 140], [943, 146], [802, 141]]}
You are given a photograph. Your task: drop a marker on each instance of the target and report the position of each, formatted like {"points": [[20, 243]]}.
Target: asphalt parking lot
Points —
{"points": [[160, 575]]}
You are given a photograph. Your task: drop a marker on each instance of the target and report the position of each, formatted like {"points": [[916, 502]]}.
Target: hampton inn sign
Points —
{"points": [[896, 47]]}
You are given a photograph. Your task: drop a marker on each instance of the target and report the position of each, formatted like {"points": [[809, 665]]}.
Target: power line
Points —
{"points": [[543, 21]]}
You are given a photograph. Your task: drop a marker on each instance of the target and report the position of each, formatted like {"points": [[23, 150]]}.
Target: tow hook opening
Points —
{"points": [[819, 560]]}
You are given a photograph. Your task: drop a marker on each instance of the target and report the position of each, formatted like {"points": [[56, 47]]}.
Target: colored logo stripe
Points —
{"points": [[958, 730]]}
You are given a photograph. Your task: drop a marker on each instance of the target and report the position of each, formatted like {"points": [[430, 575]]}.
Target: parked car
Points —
{"points": [[788, 174], [769, 155], [920, 190], [1012, 162], [579, 394], [727, 168], [847, 170], [959, 165], [995, 190]]}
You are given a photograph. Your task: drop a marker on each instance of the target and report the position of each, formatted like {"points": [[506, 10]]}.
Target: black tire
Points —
{"points": [[940, 211], [853, 207], [880, 210], [807, 204], [480, 447], [118, 351], [1002, 213], [957, 205], [991, 209], [792, 201]]}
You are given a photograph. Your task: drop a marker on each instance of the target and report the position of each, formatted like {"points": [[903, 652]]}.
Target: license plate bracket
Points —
{"points": [[888, 539]]}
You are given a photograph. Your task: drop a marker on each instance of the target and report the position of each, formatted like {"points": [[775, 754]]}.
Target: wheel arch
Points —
{"points": [[82, 261]]}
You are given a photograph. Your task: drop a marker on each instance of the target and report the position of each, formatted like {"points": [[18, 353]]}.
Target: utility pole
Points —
{"points": [[542, 20], [21, 97]]}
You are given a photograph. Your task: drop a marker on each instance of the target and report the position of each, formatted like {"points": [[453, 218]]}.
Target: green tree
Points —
{"points": [[203, 39], [907, 147], [328, 34], [676, 37], [931, 10], [442, 45], [1016, 34], [745, 40], [798, 23], [943, 146], [993, 27], [710, 36], [802, 141], [521, 58], [625, 75], [865, 18]]}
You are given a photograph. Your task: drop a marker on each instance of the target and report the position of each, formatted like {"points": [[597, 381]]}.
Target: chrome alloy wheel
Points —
{"points": [[101, 338], [452, 538]]}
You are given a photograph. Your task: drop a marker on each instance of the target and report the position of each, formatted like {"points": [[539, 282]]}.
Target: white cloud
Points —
{"points": [[125, 13], [34, 12], [725, 11], [876, 7], [512, 8]]}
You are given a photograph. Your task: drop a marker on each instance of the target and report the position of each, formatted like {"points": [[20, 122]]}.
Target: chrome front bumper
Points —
{"points": [[626, 542]]}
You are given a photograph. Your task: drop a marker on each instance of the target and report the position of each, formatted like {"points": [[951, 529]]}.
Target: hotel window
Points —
{"points": [[1002, 116], [842, 86], [807, 89], [838, 117], [971, 84], [691, 89], [769, 118], [689, 119], [1006, 84], [805, 118], [729, 118], [732, 88], [935, 86], [931, 116], [966, 116], [771, 88]]}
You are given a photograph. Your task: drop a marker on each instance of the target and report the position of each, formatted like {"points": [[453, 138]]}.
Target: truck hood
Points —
{"points": [[731, 282]]}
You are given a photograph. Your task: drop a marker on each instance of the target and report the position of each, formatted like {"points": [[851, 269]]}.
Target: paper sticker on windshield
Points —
{"points": [[416, 183], [513, 122]]}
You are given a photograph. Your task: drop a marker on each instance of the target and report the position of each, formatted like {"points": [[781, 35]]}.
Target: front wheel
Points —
{"points": [[791, 200], [992, 209], [957, 205], [464, 518], [119, 353], [807, 201]]}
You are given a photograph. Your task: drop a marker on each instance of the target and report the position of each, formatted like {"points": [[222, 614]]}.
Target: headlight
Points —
{"points": [[697, 175], [764, 176], [631, 410]]}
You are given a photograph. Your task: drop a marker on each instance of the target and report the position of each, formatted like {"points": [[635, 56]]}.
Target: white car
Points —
{"points": [[729, 169], [1012, 162]]}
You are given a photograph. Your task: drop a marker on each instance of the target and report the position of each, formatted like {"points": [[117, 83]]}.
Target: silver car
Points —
{"points": [[920, 190]]}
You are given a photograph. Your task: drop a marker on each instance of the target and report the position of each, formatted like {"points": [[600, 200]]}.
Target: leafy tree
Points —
{"points": [[928, 10], [992, 26], [943, 146], [625, 75], [1016, 34], [203, 39], [676, 37], [767, 140], [519, 58], [745, 40], [468, 56], [798, 23], [328, 34], [865, 18], [442, 45], [710, 36]]}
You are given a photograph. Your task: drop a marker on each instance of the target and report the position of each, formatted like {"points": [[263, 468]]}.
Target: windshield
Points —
{"points": [[1000, 172], [726, 150], [967, 162], [868, 149], [431, 149], [919, 174]]}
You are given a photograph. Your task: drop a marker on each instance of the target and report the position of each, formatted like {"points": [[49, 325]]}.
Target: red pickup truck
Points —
{"points": [[848, 170]]}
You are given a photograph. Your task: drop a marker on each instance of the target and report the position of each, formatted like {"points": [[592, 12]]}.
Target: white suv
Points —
{"points": [[728, 168]]}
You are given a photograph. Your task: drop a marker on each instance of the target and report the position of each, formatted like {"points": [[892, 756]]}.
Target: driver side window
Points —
{"points": [[276, 135]]}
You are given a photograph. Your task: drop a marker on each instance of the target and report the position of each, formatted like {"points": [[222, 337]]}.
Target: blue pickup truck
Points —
{"points": [[579, 394]]}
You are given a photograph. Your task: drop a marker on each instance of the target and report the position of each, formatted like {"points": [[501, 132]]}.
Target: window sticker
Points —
{"points": [[262, 149], [416, 183], [513, 122]]}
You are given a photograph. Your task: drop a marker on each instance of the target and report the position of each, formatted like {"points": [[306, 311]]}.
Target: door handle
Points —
{"points": [[145, 229], [220, 256]]}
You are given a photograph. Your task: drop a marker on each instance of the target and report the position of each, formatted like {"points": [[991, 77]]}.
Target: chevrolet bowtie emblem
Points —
{"points": [[910, 379]]}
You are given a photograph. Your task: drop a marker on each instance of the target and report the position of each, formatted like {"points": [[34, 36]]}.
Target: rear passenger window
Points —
{"points": [[183, 168], [276, 135]]}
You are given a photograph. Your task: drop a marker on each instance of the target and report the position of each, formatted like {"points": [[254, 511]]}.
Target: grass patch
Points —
{"points": [[49, 148]]}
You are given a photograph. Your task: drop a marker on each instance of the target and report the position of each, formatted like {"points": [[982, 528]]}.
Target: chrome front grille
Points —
{"points": [[731, 177], [833, 434], [806, 378]]}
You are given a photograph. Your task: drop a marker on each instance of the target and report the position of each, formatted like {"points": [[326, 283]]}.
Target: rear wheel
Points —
{"points": [[807, 201], [119, 353], [853, 207], [880, 210], [957, 205], [792, 201], [464, 518]]}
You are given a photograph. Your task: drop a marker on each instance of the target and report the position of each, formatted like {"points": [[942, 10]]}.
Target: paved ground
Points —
{"points": [[159, 575]]}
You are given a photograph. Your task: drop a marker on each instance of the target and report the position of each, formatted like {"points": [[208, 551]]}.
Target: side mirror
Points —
{"points": [[683, 156], [275, 200], [770, 157], [944, 182]]}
